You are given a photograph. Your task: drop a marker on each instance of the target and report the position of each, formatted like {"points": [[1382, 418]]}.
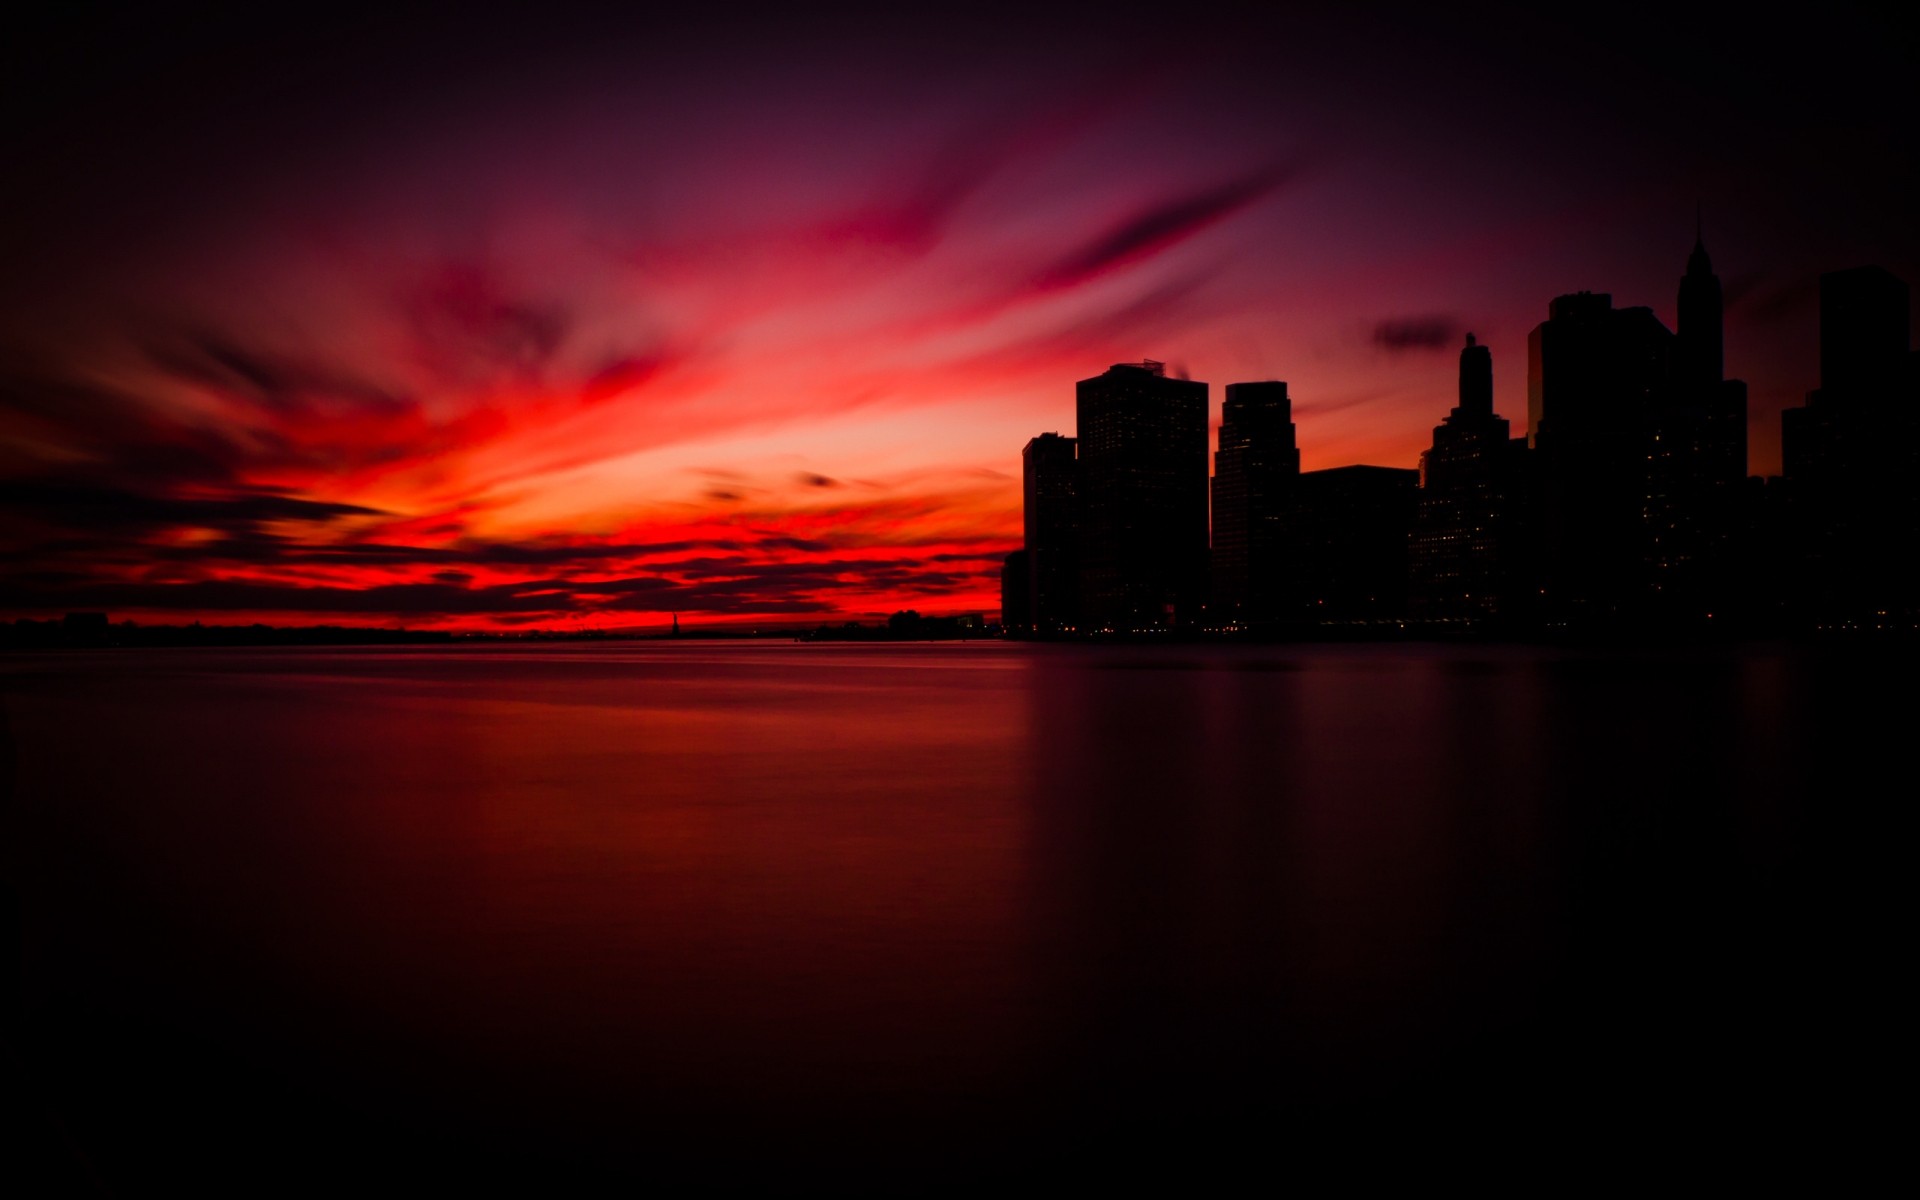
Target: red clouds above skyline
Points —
{"points": [[580, 325]]}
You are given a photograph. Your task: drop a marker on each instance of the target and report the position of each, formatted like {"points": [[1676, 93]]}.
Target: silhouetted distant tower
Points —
{"points": [[1864, 374], [1703, 358], [1465, 535], [1476, 384], [1851, 459], [1597, 380], [1143, 462], [676, 625], [1254, 474], [1700, 353], [1050, 471], [1698, 462]]}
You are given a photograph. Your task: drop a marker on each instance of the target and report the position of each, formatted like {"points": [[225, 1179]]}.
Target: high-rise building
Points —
{"points": [[1598, 378], [1700, 357], [1642, 459], [1349, 546], [1697, 461], [1851, 459], [1050, 472], [1143, 471], [1465, 554], [1254, 474], [1865, 378]]}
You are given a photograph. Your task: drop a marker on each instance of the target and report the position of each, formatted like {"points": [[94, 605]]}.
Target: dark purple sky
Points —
{"points": [[561, 315]]}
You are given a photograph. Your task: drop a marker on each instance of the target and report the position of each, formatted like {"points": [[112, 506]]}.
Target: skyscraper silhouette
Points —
{"points": [[1050, 475], [1255, 473], [1597, 378], [1143, 463], [1352, 526], [1698, 460], [1703, 371], [1464, 558], [1851, 457], [1627, 506]]}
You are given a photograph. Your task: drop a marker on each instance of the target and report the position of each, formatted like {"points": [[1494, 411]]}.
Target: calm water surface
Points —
{"points": [[897, 915]]}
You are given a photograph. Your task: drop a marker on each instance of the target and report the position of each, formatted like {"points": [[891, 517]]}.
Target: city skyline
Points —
{"points": [[748, 338], [1625, 506]]}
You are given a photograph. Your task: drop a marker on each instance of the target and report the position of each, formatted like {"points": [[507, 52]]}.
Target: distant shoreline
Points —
{"points": [[30, 636]]}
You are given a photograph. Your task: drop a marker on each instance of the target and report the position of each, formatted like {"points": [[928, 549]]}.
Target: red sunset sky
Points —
{"points": [[567, 319]]}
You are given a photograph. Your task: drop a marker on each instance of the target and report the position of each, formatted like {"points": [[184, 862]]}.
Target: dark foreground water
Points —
{"points": [[900, 917]]}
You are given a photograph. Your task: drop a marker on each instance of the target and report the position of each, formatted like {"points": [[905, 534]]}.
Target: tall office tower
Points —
{"points": [[1143, 470], [1851, 459], [1718, 404], [1350, 545], [1697, 459], [1700, 352], [1598, 378], [1050, 471], [1462, 558], [1254, 473], [1016, 594], [1865, 380]]}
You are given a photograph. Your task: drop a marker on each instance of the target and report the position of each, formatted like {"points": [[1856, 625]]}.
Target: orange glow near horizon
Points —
{"points": [[753, 349]]}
